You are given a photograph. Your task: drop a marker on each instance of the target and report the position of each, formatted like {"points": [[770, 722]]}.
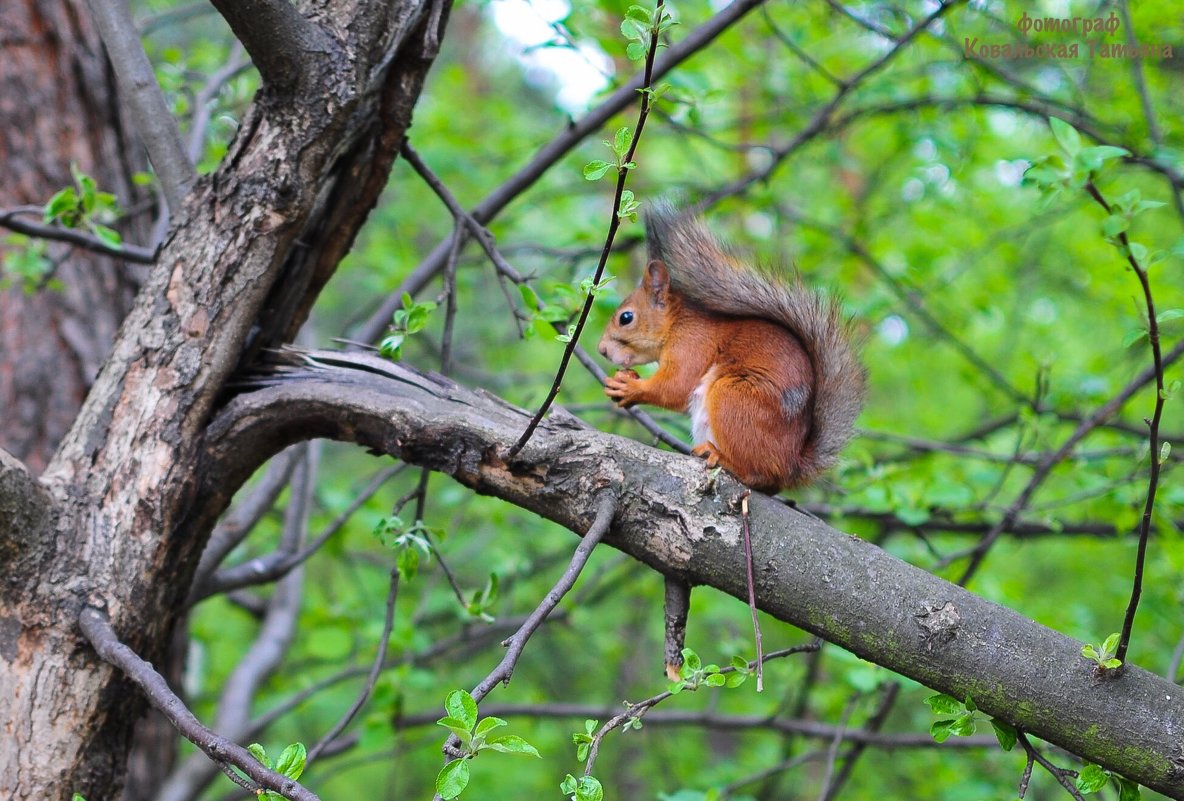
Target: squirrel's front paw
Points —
{"points": [[624, 388]]}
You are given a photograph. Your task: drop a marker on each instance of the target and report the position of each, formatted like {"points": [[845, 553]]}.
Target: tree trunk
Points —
{"points": [[58, 85], [249, 251]]}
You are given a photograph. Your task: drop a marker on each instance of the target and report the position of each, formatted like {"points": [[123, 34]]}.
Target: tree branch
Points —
{"points": [[24, 509], [284, 45], [10, 219], [552, 152], [676, 518], [98, 632], [139, 90]]}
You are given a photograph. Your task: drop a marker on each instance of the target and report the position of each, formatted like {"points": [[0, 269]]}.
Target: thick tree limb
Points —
{"points": [[139, 90], [675, 518], [283, 44]]}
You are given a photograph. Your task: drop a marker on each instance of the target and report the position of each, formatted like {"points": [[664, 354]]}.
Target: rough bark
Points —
{"points": [[52, 343], [253, 242], [675, 518]]}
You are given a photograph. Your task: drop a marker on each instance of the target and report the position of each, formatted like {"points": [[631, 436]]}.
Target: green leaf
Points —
{"points": [[585, 788], [456, 726], [529, 298], [460, 705], [621, 141], [691, 660], [512, 744], [489, 724], [963, 725], [636, 51], [736, 679], [1127, 789], [260, 755], [1005, 733], [940, 729], [62, 203], [1169, 315], [1066, 135], [715, 680], [1097, 155], [453, 778], [970, 704], [408, 563], [1134, 337], [594, 170], [943, 704], [1165, 450], [108, 236], [1111, 643], [1114, 225], [292, 760], [1091, 779], [1112, 663]]}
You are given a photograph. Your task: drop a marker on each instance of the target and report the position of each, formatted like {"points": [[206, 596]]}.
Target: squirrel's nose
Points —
{"points": [[603, 349]]}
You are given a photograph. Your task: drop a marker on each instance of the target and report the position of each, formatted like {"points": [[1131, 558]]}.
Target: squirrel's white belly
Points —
{"points": [[697, 409]]}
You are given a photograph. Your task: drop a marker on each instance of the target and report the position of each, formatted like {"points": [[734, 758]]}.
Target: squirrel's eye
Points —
{"points": [[625, 318]]}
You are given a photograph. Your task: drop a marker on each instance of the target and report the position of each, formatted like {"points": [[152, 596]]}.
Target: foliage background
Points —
{"points": [[909, 200]]}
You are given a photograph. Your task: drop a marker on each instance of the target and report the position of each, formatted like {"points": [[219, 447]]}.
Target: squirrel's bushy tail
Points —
{"points": [[702, 270]]}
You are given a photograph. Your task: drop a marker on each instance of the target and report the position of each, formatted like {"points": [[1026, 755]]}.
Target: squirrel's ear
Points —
{"points": [[657, 282]]}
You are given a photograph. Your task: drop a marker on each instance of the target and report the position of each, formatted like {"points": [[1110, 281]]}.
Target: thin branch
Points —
{"points": [[1088, 424], [278, 564], [243, 518], [623, 170], [222, 751], [1157, 359], [144, 98], [203, 103], [1063, 777], [11, 219], [372, 678], [552, 152], [642, 708], [486, 239], [270, 646], [606, 508]]}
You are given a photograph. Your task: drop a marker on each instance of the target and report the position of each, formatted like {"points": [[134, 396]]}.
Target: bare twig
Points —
{"points": [[756, 626], [1088, 424], [372, 678], [11, 219], [642, 708], [222, 751], [614, 223], [243, 517], [278, 564], [606, 507], [203, 103], [1064, 777], [1152, 428]]}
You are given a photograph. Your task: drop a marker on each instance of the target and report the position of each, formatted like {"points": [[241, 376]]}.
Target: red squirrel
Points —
{"points": [[763, 365]]}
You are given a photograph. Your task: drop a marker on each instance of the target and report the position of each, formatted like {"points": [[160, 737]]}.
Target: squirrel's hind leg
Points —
{"points": [[751, 435]]}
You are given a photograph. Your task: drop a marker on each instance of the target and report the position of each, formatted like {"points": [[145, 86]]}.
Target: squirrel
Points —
{"points": [[764, 366]]}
